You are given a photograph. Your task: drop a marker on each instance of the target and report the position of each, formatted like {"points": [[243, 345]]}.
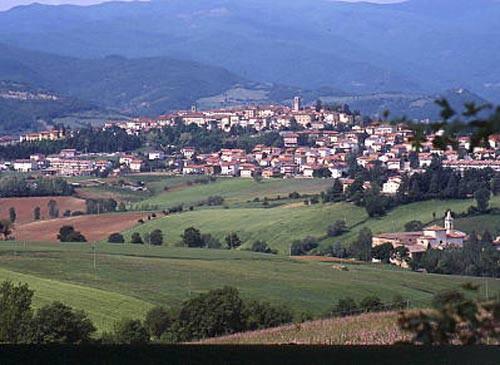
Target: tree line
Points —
{"points": [[19, 186], [215, 313], [86, 139]]}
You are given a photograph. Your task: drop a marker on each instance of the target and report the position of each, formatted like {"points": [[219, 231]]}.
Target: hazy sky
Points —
{"points": [[7, 4]]}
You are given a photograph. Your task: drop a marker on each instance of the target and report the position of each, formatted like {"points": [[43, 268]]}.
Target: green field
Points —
{"points": [[129, 279], [103, 307], [280, 226], [235, 191]]}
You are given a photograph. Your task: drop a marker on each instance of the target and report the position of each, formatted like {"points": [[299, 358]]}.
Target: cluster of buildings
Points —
{"points": [[417, 243], [316, 142], [259, 118], [67, 163]]}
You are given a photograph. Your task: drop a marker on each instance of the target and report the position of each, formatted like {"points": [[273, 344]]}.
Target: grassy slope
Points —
{"points": [[103, 307], [235, 191], [480, 224], [167, 276], [281, 225], [366, 329]]}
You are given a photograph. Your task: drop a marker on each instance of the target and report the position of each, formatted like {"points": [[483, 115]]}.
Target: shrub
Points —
{"points": [[137, 239], [192, 238], [337, 229], [68, 234], [233, 241], [302, 248], [116, 238], [156, 238], [262, 247]]}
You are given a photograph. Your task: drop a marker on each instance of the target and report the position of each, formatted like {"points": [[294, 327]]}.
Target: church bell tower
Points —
{"points": [[448, 222]]}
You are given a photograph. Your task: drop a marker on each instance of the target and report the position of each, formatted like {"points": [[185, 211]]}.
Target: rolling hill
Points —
{"points": [[135, 86], [129, 279], [419, 46]]}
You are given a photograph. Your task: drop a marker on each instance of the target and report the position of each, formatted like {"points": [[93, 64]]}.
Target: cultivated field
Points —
{"points": [[103, 307], [365, 329], [235, 191], [93, 227], [25, 206], [168, 276], [280, 226]]}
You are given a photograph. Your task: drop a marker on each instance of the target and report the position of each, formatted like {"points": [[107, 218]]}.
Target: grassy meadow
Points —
{"points": [[129, 279], [280, 226], [235, 191]]}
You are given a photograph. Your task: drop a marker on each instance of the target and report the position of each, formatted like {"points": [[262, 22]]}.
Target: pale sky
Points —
{"points": [[7, 4]]}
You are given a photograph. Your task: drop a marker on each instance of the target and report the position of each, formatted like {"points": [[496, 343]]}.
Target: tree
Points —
{"points": [[414, 226], [68, 234], [158, 321], [12, 214], [383, 252], [337, 229], [136, 239], [15, 312], [482, 197], [334, 194], [5, 228], [260, 315], [116, 238], [303, 247], [495, 184], [233, 241], [323, 172], [130, 332], [156, 238], [192, 238], [375, 204], [37, 213], [53, 210], [58, 323], [216, 313], [361, 248], [262, 247]]}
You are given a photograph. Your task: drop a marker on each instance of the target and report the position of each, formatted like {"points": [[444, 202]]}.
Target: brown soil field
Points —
{"points": [[93, 227], [24, 206]]}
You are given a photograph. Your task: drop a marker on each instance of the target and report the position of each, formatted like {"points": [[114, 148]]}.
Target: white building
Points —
{"points": [[391, 187], [24, 165]]}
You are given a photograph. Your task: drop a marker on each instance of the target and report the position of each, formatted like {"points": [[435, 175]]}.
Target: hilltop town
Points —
{"points": [[313, 141]]}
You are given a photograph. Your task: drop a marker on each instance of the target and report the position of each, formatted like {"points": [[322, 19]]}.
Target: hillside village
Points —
{"points": [[315, 142]]}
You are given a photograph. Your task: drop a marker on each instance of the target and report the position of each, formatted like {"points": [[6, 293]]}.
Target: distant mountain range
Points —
{"points": [[416, 47], [90, 90]]}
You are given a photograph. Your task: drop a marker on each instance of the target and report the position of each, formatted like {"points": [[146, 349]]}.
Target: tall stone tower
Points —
{"points": [[297, 104], [448, 222]]}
